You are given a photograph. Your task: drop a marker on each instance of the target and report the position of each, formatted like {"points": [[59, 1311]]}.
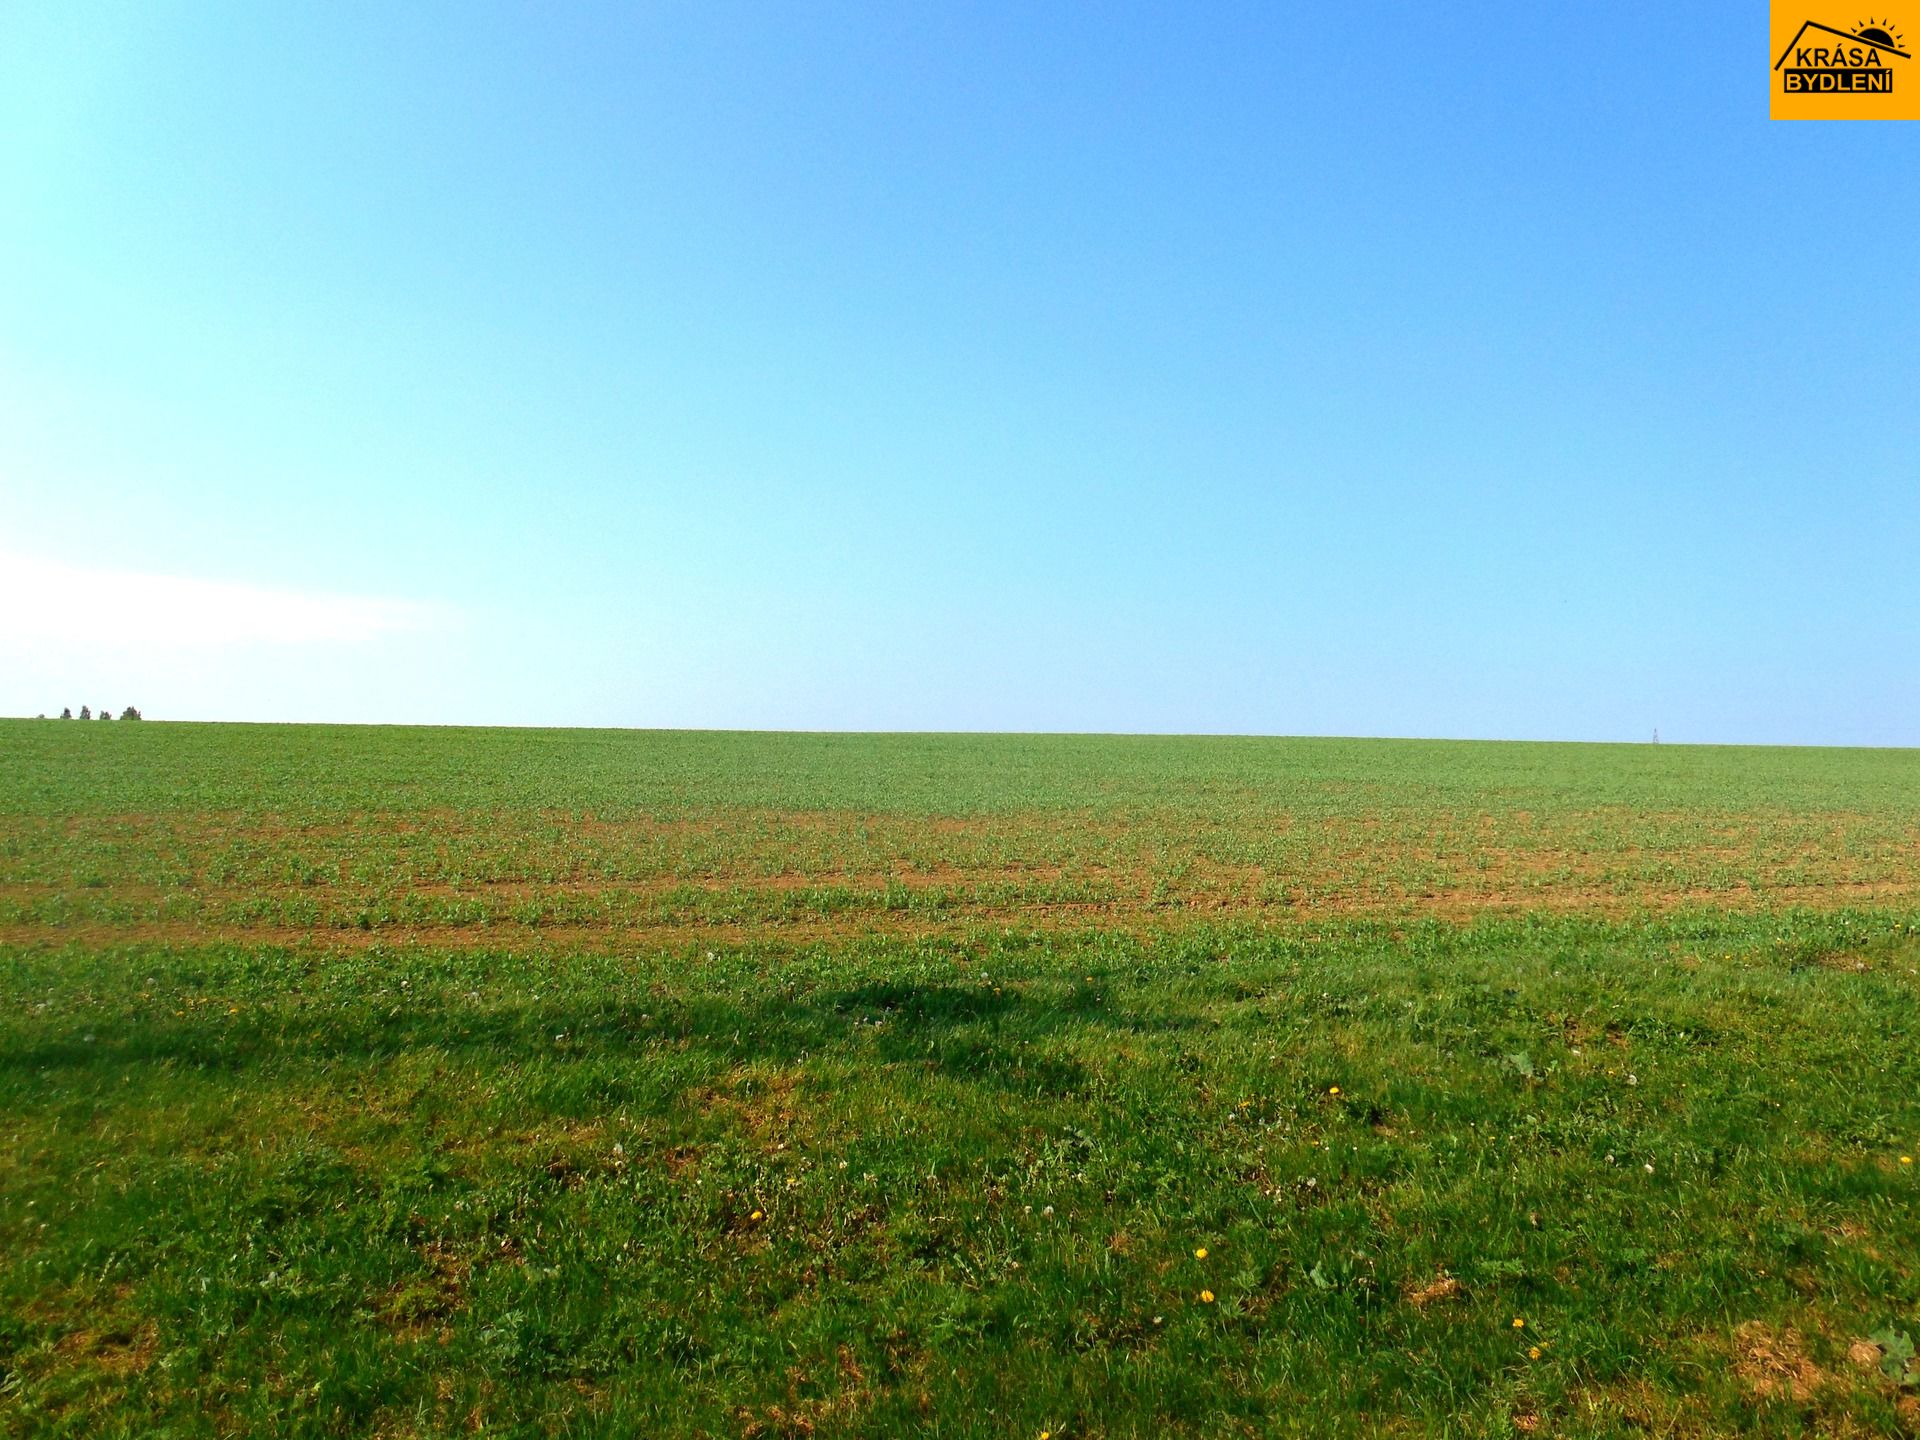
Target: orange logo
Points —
{"points": [[1828, 71]]}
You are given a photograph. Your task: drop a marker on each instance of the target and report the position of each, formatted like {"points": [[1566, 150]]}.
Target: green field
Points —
{"points": [[420, 1082]]}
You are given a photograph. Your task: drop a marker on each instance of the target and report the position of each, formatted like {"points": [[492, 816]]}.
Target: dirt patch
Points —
{"points": [[1252, 857], [522, 878], [1773, 1362], [767, 1107], [679, 1159], [803, 1415], [114, 1351], [420, 1307], [963, 920], [1853, 964], [1437, 1291], [1864, 1355]]}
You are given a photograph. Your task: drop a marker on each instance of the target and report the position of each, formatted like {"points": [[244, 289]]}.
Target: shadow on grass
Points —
{"points": [[1003, 1038]]}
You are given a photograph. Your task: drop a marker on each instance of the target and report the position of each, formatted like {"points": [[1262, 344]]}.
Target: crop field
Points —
{"points": [[423, 1082]]}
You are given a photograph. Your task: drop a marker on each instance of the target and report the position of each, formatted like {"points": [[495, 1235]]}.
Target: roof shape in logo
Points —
{"points": [[1878, 39]]}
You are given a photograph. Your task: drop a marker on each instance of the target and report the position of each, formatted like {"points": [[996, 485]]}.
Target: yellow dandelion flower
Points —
{"points": [[1518, 1323], [1206, 1297], [1906, 1159], [756, 1216], [1201, 1253], [1533, 1352], [1333, 1090]]}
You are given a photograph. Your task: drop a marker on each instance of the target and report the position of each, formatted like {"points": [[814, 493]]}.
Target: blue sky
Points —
{"points": [[1406, 370]]}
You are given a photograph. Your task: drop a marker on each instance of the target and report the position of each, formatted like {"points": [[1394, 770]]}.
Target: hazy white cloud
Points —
{"points": [[47, 605]]}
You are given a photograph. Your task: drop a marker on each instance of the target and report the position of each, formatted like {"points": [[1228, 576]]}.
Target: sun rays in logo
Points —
{"points": [[1880, 32]]}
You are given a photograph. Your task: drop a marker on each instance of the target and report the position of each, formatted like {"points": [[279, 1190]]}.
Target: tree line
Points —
{"points": [[106, 713]]}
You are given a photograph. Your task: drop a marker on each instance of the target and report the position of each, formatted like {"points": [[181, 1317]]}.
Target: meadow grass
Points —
{"points": [[446, 1082]]}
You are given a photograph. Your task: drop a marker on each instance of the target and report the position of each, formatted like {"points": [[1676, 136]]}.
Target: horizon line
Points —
{"points": [[1650, 744]]}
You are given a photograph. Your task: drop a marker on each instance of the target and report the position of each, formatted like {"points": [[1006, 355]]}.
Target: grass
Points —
{"points": [[445, 1082]]}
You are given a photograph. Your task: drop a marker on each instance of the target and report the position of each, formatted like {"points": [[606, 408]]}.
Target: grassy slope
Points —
{"points": [[337, 769], [446, 1171]]}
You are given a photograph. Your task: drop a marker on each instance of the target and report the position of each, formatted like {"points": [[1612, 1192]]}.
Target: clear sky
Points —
{"points": [[1396, 370]]}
